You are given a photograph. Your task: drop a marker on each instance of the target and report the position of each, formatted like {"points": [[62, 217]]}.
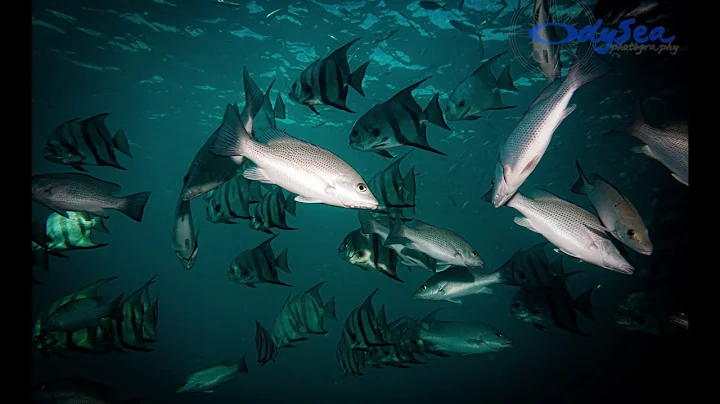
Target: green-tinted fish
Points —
{"points": [[75, 390], [397, 122], [80, 314], [616, 212], [465, 337], [394, 191], [479, 92], [207, 379], [73, 232], [259, 265]]}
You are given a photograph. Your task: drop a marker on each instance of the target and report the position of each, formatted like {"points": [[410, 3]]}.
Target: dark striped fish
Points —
{"points": [[270, 211], [266, 349], [259, 265], [366, 251], [279, 107], [351, 360], [543, 307], [267, 115], [232, 200], [84, 193], [68, 233], [310, 312], [326, 81], [397, 122], [479, 92], [87, 142], [362, 329], [394, 192], [208, 171]]}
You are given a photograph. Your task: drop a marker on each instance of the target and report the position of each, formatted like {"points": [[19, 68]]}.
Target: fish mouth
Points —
{"points": [[624, 269]]}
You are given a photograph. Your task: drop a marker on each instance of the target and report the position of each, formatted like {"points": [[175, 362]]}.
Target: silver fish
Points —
{"points": [[443, 245], [205, 380], [527, 143], [616, 212], [84, 193], [314, 174], [573, 230], [185, 239], [455, 283], [668, 145]]}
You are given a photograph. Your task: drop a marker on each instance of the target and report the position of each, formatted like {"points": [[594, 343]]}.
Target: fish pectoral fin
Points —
{"points": [[441, 267], [208, 391], [485, 291], [256, 174], [303, 199], [532, 164], [475, 341], [384, 153], [78, 167], [681, 181], [644, 149], [598, 230], [456, 301], [330, 190], [525, 222]]}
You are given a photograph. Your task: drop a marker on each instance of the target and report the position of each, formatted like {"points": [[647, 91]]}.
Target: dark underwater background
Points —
{"points": [[165, 70]]}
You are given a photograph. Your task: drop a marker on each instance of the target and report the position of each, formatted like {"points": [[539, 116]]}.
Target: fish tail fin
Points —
{"points": [[290, 204], [231, 136], [329, 309], [583, 303], [281, 261], [433, 112], [120, 143], [409, 187], [133, 205], [579, 186], [587, 70], [357, 77], [100, 225], [505, 80], [242, 365], [279, 109], [116, 308]]}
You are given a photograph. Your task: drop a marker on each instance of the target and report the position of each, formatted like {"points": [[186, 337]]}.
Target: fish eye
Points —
{"points": [[516, 305], [186, 177], [492, 183], [461, 103], [631, 233], [475, 253], [361, 187], [345, 245], [423, 287], [375, 132], [354, 133], [499, 334], [183, 384]]}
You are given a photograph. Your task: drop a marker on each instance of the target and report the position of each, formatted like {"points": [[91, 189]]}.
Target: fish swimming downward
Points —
{"points": [[312, 173], [528, 142], [572, 229], [185, 238]]}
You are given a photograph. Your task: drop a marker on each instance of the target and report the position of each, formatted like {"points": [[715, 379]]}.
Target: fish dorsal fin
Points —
{"points": [[269, 135], [341, 52], [406, 92], [483, 72], [430, 317], [539, 194]]}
